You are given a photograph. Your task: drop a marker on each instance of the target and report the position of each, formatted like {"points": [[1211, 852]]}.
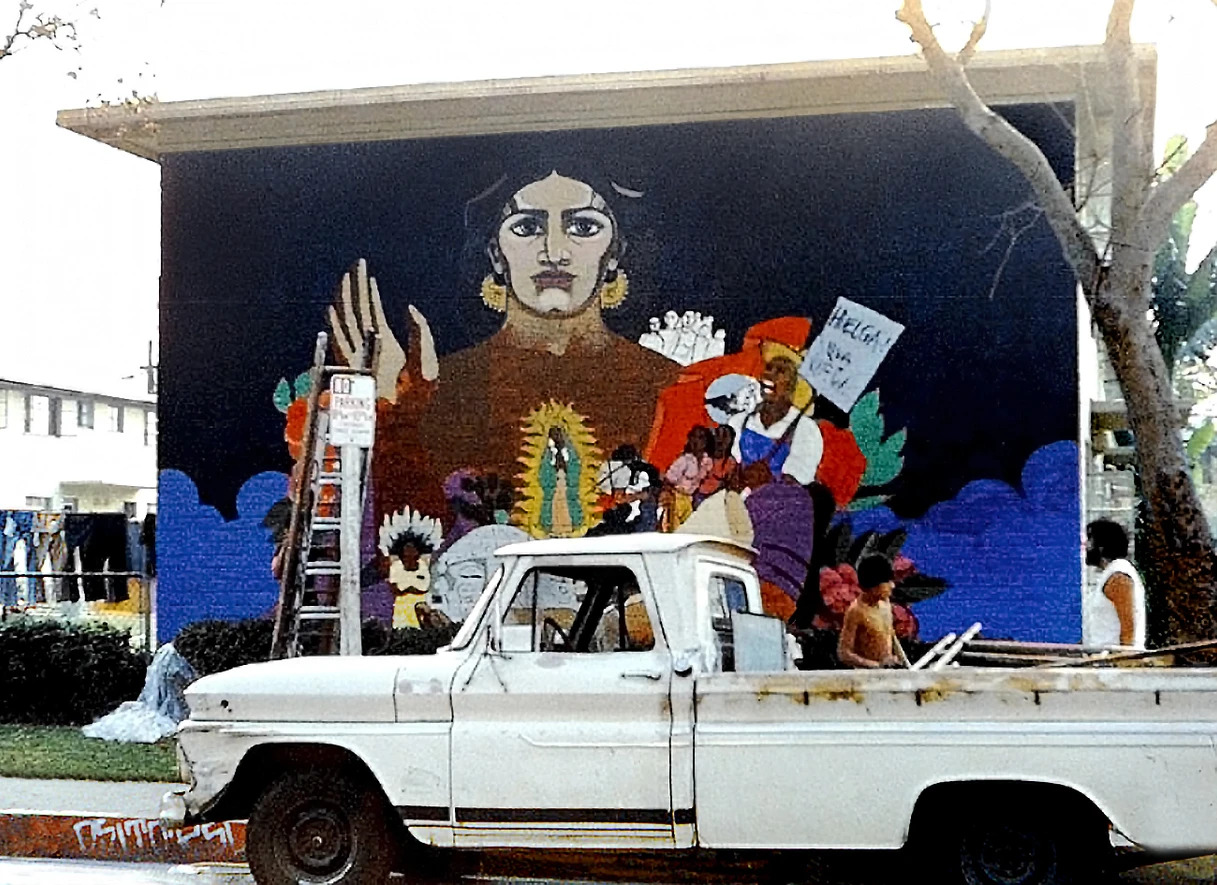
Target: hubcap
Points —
{"points": [[320, 840], [1008, 856]]}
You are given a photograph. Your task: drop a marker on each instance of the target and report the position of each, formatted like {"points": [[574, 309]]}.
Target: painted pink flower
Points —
{"points": [[904, 621], [902, 567]]}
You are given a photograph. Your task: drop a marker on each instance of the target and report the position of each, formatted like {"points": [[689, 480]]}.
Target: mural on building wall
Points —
{"points": [[790, 330]]}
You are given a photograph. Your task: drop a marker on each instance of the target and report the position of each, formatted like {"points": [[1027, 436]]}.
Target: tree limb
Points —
{"points": [[978, 30], [1007, 141], [1169, 197], [44, 27]]}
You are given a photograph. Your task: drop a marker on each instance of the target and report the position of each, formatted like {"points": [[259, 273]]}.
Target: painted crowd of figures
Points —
{"points": [[556, 426]]}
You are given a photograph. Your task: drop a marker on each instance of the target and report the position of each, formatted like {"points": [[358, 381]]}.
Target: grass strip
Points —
{"points": [[59, 752]]}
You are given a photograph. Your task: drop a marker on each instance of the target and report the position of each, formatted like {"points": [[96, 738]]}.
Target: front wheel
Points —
{"points": [[320, 827]]}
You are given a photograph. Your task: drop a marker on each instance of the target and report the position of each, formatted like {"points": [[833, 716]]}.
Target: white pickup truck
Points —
{"points": [[621, 693]]}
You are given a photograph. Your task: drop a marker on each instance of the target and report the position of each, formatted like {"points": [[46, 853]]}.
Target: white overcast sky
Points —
{"points": [[80, 227]]}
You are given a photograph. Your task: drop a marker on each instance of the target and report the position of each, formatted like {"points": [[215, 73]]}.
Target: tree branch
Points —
{"points": [[1007, 141], [44, 27], [1169, 197], [978, 30]]}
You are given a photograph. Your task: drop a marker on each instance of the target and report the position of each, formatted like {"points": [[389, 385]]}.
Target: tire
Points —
{"points": [[320, 827], [1021, 848]]}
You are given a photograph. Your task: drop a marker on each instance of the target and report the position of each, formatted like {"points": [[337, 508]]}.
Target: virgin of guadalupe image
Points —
{"points": [[554, 258]]}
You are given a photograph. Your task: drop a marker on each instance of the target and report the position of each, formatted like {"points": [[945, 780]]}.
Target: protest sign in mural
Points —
{"points": [[845, 356]]}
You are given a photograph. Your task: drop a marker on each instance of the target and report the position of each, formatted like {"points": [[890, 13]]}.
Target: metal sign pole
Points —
{"points": [[350, 641]]}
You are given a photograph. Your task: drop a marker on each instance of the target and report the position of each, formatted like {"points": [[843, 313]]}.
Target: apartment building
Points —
{"points": [[76, 450]]}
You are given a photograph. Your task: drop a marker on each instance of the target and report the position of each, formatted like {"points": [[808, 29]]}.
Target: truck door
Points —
{"points": [[562, 729]]}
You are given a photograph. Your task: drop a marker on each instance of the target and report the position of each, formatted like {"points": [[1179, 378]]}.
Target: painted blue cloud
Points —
{"points": [[1013, 558], [210, 567]]}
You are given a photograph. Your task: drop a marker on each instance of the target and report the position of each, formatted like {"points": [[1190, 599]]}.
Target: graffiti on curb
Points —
{"points": [[126, 834]]}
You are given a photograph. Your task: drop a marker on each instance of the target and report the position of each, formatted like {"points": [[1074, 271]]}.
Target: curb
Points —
{"points": [[95, 837]]}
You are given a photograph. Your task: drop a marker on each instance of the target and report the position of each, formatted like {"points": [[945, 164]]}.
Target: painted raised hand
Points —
{"points": [[357, 312]]}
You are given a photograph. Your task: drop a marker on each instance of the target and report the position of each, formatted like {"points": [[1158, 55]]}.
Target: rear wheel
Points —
{"points": [[320, 827], [1020, 847]]}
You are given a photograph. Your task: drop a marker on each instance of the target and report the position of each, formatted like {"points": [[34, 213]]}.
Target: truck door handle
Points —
{"points": [[642, 674]]}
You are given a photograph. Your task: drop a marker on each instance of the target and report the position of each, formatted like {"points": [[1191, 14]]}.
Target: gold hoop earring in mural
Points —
{"points": [[494, 292], [615, 289]]}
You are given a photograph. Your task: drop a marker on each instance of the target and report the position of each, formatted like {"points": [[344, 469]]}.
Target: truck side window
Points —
{"points": [[580, 609], [727, 594]]}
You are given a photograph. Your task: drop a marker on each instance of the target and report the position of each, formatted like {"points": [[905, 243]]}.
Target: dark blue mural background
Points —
{"points": [[746, 220]]}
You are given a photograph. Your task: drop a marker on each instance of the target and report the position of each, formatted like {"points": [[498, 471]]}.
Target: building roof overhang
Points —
{"points": [[593, 101]]}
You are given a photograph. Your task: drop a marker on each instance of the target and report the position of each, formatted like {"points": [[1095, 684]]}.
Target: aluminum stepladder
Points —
{"points": [[319, 582]]}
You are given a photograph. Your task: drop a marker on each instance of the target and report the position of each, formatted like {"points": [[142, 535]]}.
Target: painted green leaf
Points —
{"points": [[918, 588], [283, 395], [886, 461], [884, 458], [303, 384], [890, 544], [867, 503], [866, 422]]}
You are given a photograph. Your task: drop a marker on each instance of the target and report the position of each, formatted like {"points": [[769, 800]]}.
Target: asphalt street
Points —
{"points": [[26, 871]]}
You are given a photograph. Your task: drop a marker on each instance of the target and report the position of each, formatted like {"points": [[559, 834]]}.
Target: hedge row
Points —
{"points": [[62, 673], [212, 646]]}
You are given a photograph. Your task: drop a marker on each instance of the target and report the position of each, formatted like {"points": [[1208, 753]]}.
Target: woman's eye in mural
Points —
{"points": [[585, 226], [526, 226]]}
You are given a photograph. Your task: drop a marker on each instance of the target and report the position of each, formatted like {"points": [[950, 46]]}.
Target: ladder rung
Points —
{"points": [[323, 568], [314, 609], [318, 616], [326, 523], [346, 370]]}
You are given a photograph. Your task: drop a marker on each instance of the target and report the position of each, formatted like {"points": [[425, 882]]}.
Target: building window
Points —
{"points": [[54, 416], [149, 428], [70, 505], [34, 502], [116, 417], [84, 413], [67, 417], [37, 414], [3, 408]]}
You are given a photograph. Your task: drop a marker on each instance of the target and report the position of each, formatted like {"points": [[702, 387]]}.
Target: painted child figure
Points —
{"points": [[868, 637]]}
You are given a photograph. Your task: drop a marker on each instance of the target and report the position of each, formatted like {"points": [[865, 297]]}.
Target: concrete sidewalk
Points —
{"points": [[105, 821]]}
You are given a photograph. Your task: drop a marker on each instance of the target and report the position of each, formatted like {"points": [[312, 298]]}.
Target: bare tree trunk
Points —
{"points": [[1177, 550]]}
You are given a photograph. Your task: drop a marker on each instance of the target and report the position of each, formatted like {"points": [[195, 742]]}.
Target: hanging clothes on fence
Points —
{"points": [[15, 526], [76, 530], [51, 553], [101, 539], [135, 550], [105, 550], [147, 537]]}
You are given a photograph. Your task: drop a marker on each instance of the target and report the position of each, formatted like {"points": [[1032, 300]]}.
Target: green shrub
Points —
{"points": [[379, 639], [62, 673], [212, 646]]}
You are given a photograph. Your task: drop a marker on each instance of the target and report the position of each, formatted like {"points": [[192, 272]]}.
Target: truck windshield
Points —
{"points": [[465, 634]]}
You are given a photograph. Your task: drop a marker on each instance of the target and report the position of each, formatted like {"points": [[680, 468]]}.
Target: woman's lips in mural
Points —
{"points": [[553, 279]]}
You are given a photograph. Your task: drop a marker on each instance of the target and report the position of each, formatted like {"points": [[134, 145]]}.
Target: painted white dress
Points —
{"points": [[1100, 620]]}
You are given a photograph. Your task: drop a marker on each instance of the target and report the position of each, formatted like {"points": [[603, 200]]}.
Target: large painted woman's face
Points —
{"points": [[555, 245]]}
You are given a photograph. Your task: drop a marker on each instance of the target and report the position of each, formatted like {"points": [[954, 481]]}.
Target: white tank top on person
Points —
{"points": [[1100, 620]]}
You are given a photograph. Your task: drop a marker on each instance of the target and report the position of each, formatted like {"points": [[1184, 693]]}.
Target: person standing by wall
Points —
{"points": [[1113, 609]]}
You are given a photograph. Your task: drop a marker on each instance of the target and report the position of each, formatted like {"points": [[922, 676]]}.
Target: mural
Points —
{"points": [[672, 328]]}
